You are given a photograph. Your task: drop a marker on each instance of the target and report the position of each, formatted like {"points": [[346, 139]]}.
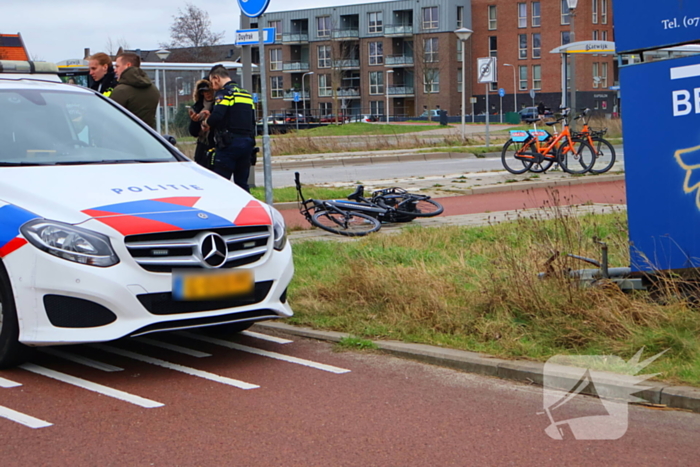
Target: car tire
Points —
{"points": [[12, 352]]}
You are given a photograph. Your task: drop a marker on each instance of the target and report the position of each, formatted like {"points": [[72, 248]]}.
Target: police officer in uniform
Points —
{"points": [[232, 120]]}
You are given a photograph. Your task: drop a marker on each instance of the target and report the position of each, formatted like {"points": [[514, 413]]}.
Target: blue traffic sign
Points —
{"points": [[255, 98], [253, 8], [501, 92], [650, 24], [662, 162], [297, 96]]}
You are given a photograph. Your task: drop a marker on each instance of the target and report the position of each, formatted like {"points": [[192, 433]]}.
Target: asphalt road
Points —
{"points": [[366, 410], [387, 171]]}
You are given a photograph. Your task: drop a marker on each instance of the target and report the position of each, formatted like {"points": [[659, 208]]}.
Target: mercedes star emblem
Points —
{"points": [[213, 250]]}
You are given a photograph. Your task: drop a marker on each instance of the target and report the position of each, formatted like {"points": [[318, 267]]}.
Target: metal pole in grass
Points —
{"points": [[463, 34]]}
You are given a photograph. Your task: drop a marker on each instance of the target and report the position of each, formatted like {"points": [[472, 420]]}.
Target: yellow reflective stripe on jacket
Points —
{"points": [[108, 93], [226, 101]]}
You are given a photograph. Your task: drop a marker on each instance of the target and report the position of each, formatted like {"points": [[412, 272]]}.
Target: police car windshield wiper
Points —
{"points": [[23, 164], [112, 161]]}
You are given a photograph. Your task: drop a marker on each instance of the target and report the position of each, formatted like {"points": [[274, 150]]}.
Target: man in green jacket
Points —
{"points": [[135, 91]]}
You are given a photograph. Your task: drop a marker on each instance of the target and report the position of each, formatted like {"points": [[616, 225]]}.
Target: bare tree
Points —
{"points": [[113, 46], [429, 67], [192, 28]]}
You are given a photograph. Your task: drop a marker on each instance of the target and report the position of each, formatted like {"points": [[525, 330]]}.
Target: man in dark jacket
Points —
{"points": [[232, 120], [203, 98], [135, 90]]}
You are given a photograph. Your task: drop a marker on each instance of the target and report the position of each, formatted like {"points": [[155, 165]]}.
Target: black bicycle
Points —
{"points": [[342, 220], [406, 204]]}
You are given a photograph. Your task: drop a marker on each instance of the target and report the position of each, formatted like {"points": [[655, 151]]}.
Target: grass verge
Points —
{"points": [[363, 129], [477, 289], [289, 194]]}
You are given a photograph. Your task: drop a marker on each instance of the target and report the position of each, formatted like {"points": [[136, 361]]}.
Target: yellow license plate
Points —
{"points": [[212, 285]]}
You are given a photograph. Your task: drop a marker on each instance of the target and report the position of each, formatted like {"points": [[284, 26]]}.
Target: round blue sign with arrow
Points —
{"points": [[253, 8], [501, 92]]}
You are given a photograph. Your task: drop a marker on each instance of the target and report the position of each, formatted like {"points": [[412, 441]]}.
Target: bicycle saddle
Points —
{"points": [[357, 194]]}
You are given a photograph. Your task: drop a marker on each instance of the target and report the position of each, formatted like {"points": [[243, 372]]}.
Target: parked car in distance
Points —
{"points": [[273, 121], [530, 113], [435, 113], [335, 118]]}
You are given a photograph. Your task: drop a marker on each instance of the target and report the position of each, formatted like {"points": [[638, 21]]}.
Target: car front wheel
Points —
{"points": [[11, 351]]}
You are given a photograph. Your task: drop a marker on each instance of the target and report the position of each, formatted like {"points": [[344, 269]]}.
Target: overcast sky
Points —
{"points": [[58, 30]]}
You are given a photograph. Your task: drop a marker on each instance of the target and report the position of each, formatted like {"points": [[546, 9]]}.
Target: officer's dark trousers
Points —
{"points": [[234, 160]]}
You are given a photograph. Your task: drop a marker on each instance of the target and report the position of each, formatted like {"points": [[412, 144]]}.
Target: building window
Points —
{"points": [[376, 23], [522, 46], [536, 77], [430, 17], [430, 49], [324, 86], [323, 24], [326, 108], [459, 50], [324, 56], [604, 35], [522, 15], [596, 76], [522, 82], [565, 18], [459, 80], [595, 11], [604, 75], [493, 46], [278, 28], [536, 14], [492, 17], [376, 107], [376, 82], [431, 81], [460, 16], [276, 87], [536, 46], [604, 11], [275, 59], [376, 53], [493, 86], [565, 37], [595, 35]]}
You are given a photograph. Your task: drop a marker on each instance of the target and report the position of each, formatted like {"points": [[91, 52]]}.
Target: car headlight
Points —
{"points": [[69, 242], [279, 229]]}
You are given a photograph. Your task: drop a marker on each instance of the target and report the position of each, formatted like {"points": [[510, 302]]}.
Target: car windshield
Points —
{"points": [[39, 127]]}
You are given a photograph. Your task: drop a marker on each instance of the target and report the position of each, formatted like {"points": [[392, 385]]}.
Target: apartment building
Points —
{"points": [[402, 57]]}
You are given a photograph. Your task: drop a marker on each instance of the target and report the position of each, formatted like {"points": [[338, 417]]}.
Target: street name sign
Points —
{"points": [[252, 36]]}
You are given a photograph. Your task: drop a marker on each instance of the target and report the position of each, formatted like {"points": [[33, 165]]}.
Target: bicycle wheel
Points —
{"points": [[577, 161], [544, 164], [512, 160], [412, 205], [348, 223], [604, 156]]}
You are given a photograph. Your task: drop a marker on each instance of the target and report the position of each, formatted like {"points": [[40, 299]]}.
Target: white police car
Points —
{"points": [[106, 230]]}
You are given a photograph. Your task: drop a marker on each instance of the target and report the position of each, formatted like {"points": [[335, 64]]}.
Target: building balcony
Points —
{"points": [[397, 30], [289, 95], [401, 91], [349, 92], [295, 38], [345, 64], [295, 67], [346, 34], [398, 60]]}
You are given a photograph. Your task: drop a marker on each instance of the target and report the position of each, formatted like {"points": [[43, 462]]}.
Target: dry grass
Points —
{"points": [[477, 289]]}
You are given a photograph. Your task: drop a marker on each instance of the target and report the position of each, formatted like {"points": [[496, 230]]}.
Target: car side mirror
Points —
{"points": [[170, 139]]}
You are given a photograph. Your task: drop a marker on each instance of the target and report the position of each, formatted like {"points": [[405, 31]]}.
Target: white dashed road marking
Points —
{"points": [[265, 353], [6, 383], [81, 360], [265, 337], [176, 367], [173, 347], [24, 419], [90, 386]]}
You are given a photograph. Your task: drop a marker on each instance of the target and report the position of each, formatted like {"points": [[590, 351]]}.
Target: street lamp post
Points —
{"points": [[463, 34], [515, 89], [302, 94], [572, 62], [177, 93], [388, 72], [163, 54]]}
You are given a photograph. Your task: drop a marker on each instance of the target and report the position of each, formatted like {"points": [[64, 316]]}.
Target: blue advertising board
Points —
{"points": [[649, 24], [661, 108], [253, 8]]}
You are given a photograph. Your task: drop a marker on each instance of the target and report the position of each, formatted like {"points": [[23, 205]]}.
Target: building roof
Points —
{"points": [[208, 54], [12, 47]]}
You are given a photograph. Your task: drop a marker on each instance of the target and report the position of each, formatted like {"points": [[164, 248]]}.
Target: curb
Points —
{"points": [[613, 385], [364, 160], [518, 186]]}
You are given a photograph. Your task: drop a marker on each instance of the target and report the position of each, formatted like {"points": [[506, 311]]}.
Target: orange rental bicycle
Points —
{"points": [[604, 151], [536, 150]]}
